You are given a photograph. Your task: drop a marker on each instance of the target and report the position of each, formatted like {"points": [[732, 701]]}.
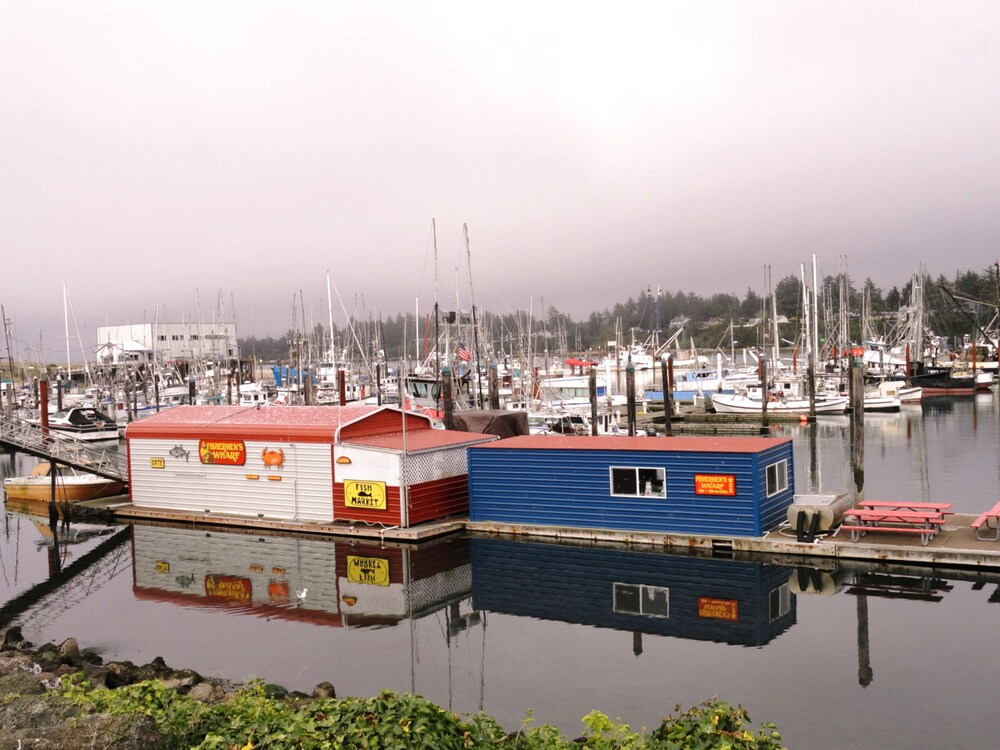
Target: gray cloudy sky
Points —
{"points": [[155, 152]]}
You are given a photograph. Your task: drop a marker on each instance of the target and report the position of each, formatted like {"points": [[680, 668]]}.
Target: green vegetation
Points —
{"points": [[252, 718]]}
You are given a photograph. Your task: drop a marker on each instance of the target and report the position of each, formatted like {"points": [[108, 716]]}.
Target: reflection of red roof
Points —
{"points": [[573, 362]]}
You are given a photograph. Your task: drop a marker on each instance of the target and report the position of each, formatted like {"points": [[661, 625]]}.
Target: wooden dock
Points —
{"points": [[955, 546]]}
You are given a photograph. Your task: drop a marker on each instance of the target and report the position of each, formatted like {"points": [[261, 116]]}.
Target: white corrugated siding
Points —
{"points": [[368, 464], [304, 492]]}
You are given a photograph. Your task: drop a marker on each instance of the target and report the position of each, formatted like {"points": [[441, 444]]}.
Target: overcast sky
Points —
{"points": [[154, 154]]}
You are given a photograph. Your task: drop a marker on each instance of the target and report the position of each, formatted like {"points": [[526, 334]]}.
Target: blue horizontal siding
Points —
{"points": [[576, 585], [572, 488]]}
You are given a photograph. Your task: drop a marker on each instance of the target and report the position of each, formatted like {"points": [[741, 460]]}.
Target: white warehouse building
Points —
{"points": [[172, 341]]}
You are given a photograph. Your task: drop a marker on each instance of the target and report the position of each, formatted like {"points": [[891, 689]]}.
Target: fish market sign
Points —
{"points": [[229, 452], [372, 571], [369, 495]]}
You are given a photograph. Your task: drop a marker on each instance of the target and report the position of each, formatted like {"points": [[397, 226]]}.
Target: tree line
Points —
{"points": [[953, 308]]}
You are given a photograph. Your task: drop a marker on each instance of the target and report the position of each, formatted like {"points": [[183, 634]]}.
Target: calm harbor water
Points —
{"points": [[892, 658]]}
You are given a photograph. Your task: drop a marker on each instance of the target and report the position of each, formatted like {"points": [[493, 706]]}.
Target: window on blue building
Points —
{"points": [[777, 477], [629, 481], [639, 599]]}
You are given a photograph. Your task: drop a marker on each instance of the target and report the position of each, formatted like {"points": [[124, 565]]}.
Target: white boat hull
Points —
{"points": [[736, 403]]}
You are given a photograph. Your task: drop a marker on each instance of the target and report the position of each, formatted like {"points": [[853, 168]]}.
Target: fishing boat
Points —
{"points": [[943, 382], [71, 486], [750, 401], [82, 423]]}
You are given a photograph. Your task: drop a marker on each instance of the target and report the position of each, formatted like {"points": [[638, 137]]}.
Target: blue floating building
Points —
{"points": [[718, 486]]}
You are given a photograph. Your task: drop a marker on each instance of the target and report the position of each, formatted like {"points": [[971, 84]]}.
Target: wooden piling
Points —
{"points": [[592, 391], [630, 395]]}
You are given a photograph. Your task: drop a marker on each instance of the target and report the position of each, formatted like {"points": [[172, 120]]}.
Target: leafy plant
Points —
{"points": [[252, 719]]}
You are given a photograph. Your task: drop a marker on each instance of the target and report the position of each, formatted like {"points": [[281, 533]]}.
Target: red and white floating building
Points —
{"points": [[377, 465]]}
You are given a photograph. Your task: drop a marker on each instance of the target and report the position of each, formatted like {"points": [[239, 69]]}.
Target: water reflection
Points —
{"points": [[745, 603], [329, 582]]}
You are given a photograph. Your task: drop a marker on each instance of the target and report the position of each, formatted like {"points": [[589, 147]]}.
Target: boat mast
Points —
{"points": [[329, 314], [437, 321], [475, 322], [69, 364], [815, 314]]}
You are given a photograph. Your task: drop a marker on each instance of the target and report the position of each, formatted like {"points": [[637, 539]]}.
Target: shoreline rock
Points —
{"points": [[33, 714]]}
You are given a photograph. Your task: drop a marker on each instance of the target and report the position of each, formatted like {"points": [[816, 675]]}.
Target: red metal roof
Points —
{"points": [[420, 440], [689, 444], [284, 422]]}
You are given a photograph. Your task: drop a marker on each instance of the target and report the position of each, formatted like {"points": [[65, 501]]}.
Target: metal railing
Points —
{"points": [[64, 449]]}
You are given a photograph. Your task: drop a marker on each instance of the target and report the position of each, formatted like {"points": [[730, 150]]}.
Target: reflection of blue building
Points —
{"points": [[744, 603]]}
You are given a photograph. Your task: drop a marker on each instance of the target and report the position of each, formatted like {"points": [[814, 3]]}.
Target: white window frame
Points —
{"points": [[780, 469], [660, 475], [646, 594]]}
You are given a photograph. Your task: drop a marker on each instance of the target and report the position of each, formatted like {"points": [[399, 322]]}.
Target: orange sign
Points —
{"points": [[229, 452], [715, 484], [718, 609], [232, 588]]}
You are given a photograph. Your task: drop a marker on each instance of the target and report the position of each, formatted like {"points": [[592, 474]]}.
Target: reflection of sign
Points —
{"points": [[157, 463], [714, 484], [372, 570], [718, 609], [162, 566], [364, 495], [228, 587], [231, 452]]}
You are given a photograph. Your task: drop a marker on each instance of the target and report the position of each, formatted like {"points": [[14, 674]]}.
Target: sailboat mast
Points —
{"points": [[329, 314], [815, 312], [69, 364], [475, 322], [437, 309]]}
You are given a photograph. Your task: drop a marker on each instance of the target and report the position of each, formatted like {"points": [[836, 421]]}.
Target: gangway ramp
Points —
{"points": [[51, 445]]}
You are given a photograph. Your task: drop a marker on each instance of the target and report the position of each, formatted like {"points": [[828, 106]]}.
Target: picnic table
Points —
{"points": [[983, 522], [925, 519]]}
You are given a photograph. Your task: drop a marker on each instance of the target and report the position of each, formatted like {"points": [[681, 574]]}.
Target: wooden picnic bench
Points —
{"points": [[895, 518], [983, 522]]}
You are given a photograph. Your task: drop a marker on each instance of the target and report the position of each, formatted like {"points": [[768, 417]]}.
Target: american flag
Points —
{"points": [[462, 352]]}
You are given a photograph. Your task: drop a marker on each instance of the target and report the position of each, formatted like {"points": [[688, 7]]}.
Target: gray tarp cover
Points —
{"points": [[492, 422]]}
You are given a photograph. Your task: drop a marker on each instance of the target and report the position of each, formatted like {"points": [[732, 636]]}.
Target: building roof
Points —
{"points": [[304, 424], [278, 422], [687, 444], [420, 440]]}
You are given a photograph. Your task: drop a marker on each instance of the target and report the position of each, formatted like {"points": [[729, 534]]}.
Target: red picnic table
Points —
{"points": [[925, 519]]}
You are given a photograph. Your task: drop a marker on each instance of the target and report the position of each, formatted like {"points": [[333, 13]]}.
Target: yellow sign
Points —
{"points": [[369, 495], [231, 452], [715, 484], [371, 570], [719, 609], [233, 588], [162, 566], [157, 463]]}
